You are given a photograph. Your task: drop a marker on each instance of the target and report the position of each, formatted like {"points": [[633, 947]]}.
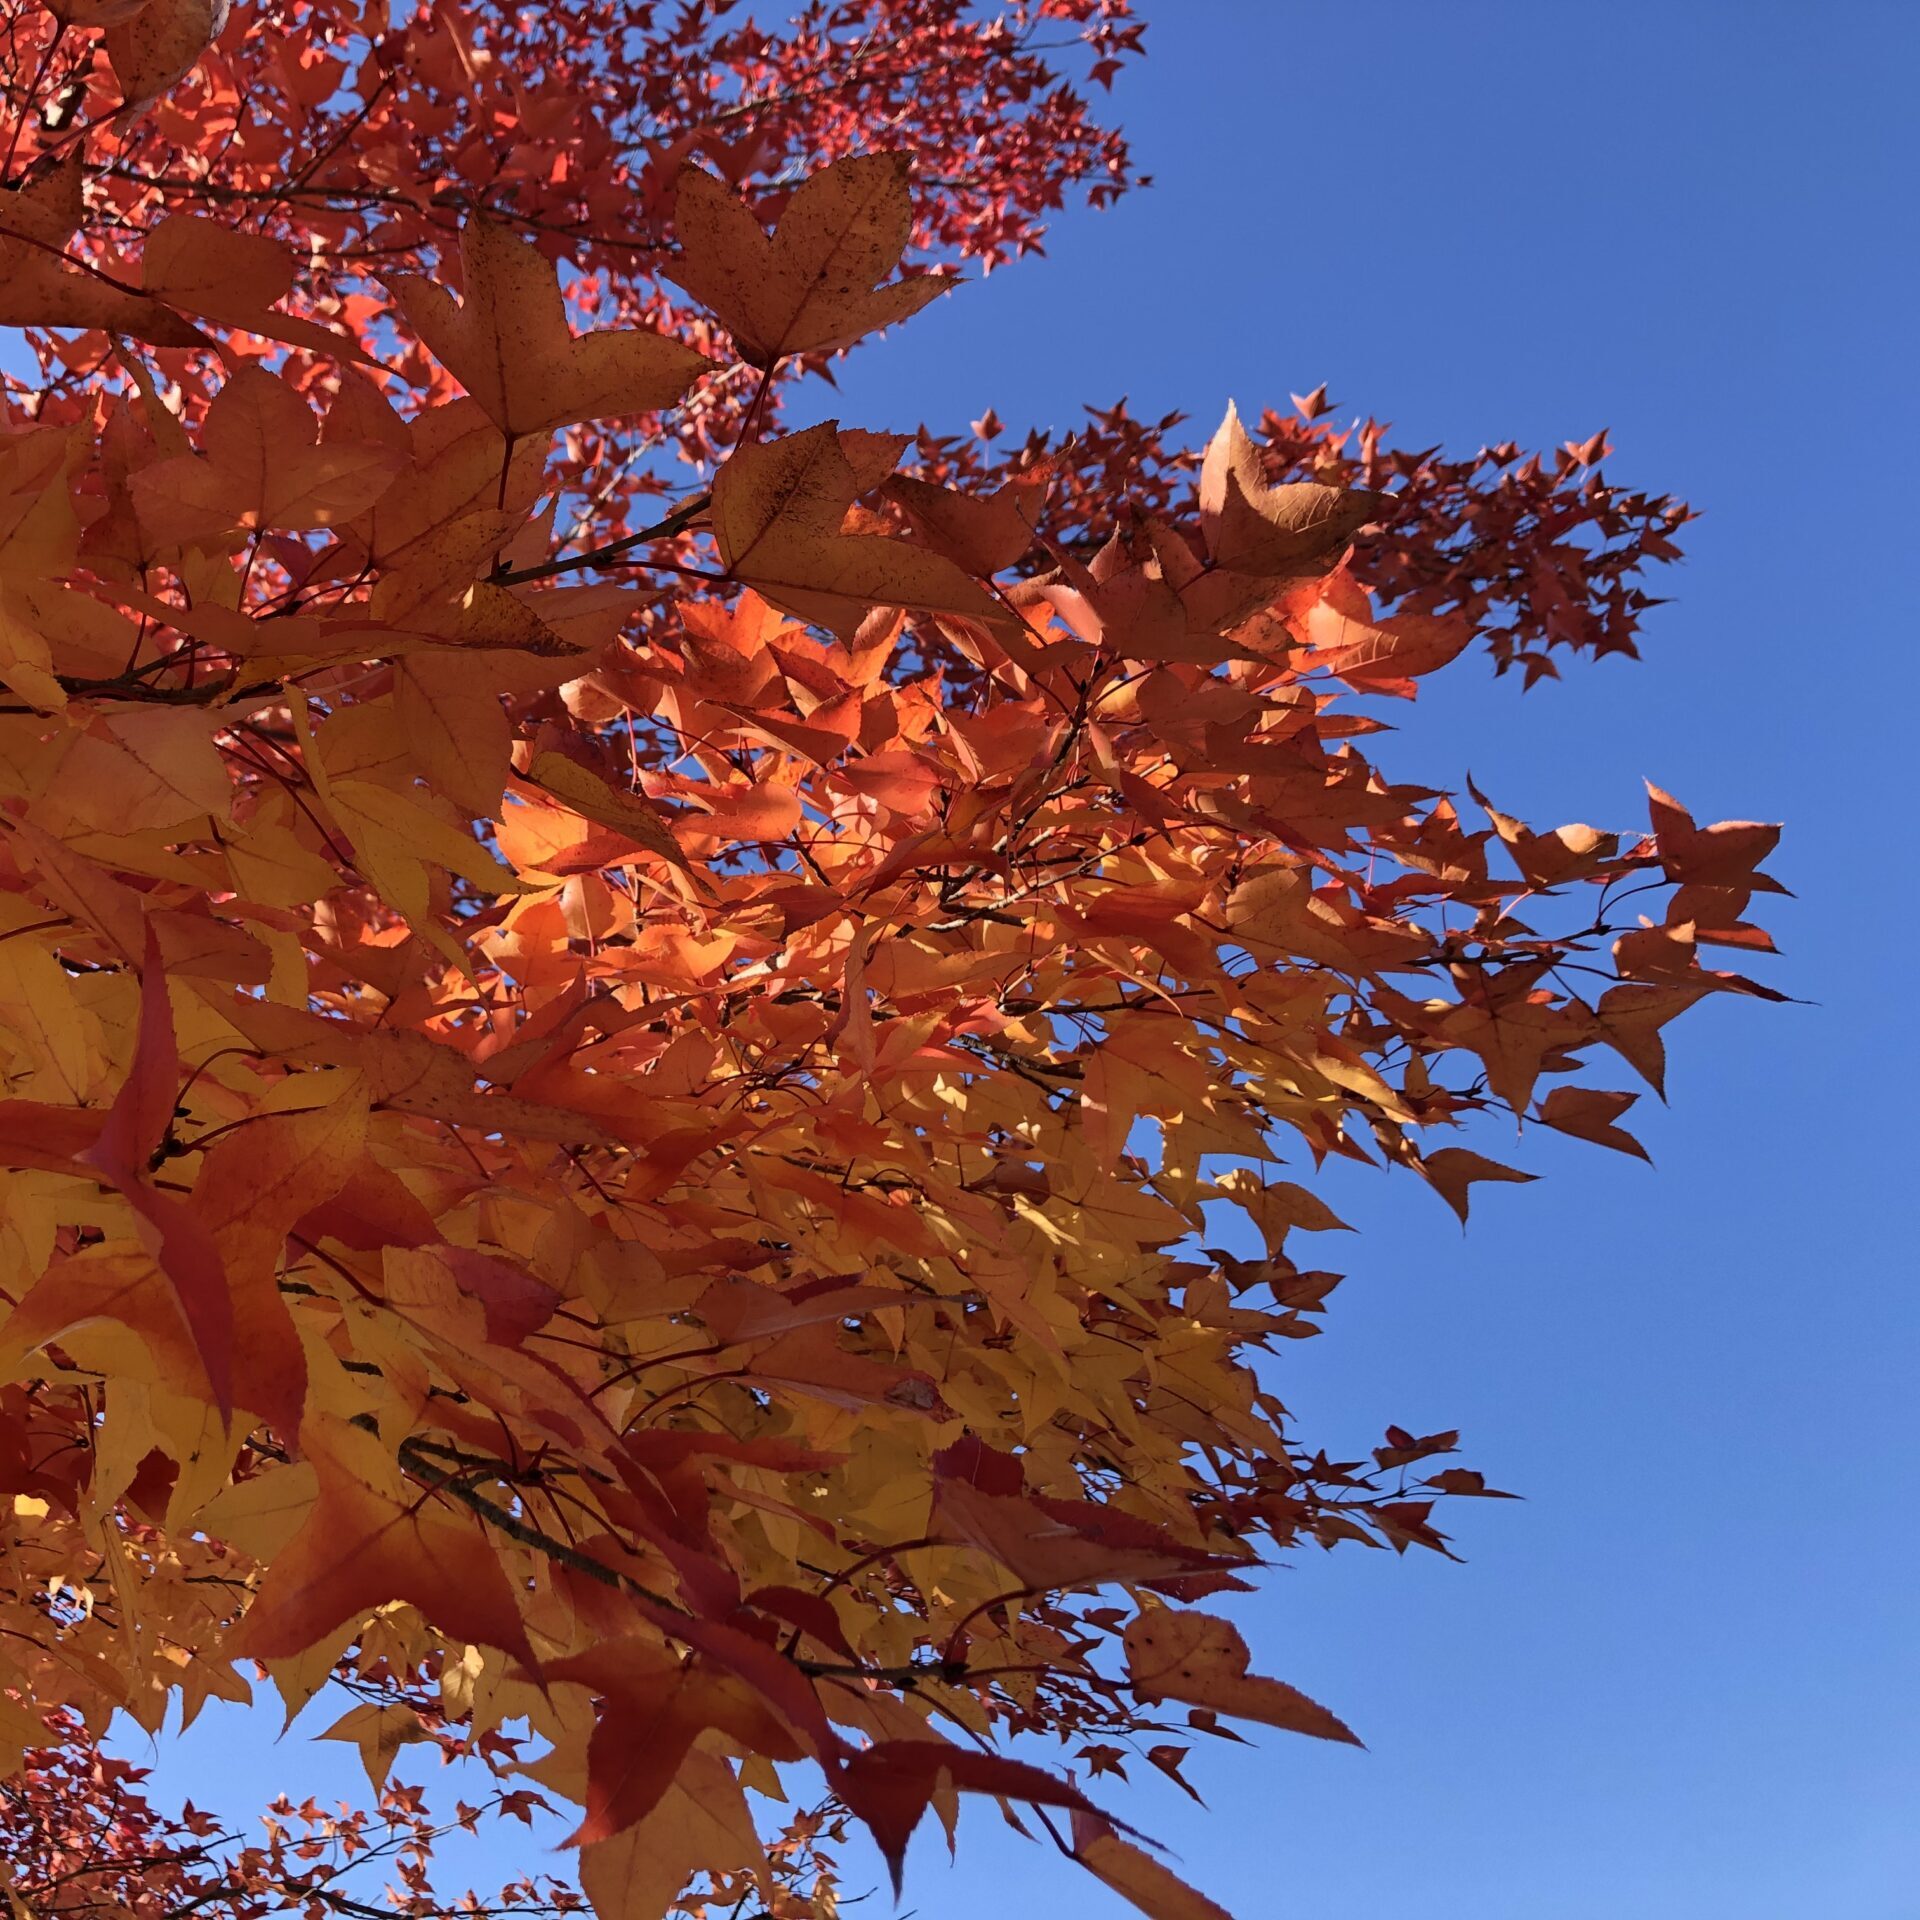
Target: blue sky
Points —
{"points": [[1681, 1680]]}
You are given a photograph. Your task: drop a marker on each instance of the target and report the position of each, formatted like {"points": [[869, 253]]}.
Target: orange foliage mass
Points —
{"points": [[610, 1122]]}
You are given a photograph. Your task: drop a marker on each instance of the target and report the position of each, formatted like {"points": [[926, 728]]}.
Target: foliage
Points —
{"points": [[79, 1838], [624, 1030]]}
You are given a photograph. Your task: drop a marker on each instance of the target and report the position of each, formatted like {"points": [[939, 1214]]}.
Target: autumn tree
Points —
{"points": [[619, 1022]]}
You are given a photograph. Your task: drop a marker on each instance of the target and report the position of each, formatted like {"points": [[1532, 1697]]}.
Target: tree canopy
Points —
{"points": [[621, 1021]]}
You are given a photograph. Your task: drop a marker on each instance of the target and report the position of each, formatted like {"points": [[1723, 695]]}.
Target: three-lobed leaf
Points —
{"points": [[507, 341], [815, 283]]}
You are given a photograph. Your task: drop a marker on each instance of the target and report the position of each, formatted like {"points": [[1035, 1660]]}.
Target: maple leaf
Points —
{"points": [[891, 1784], [1384, 656], [159, 43], [261, 468], [1722, 855], [1452, 1170], [1290, 531], [256, 1185], [508, 342], [366, 1543], [1591, 1113], [814, 284], [379, 1731], [1550, 859], [1203, 1660], [42, 286], [203, 266], [655, 1708], [778, 509], [136, 1125], [153, 765], [983, 535]]}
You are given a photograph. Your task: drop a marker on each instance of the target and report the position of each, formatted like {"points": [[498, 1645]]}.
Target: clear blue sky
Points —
{"points": [[1680, 1682]]}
